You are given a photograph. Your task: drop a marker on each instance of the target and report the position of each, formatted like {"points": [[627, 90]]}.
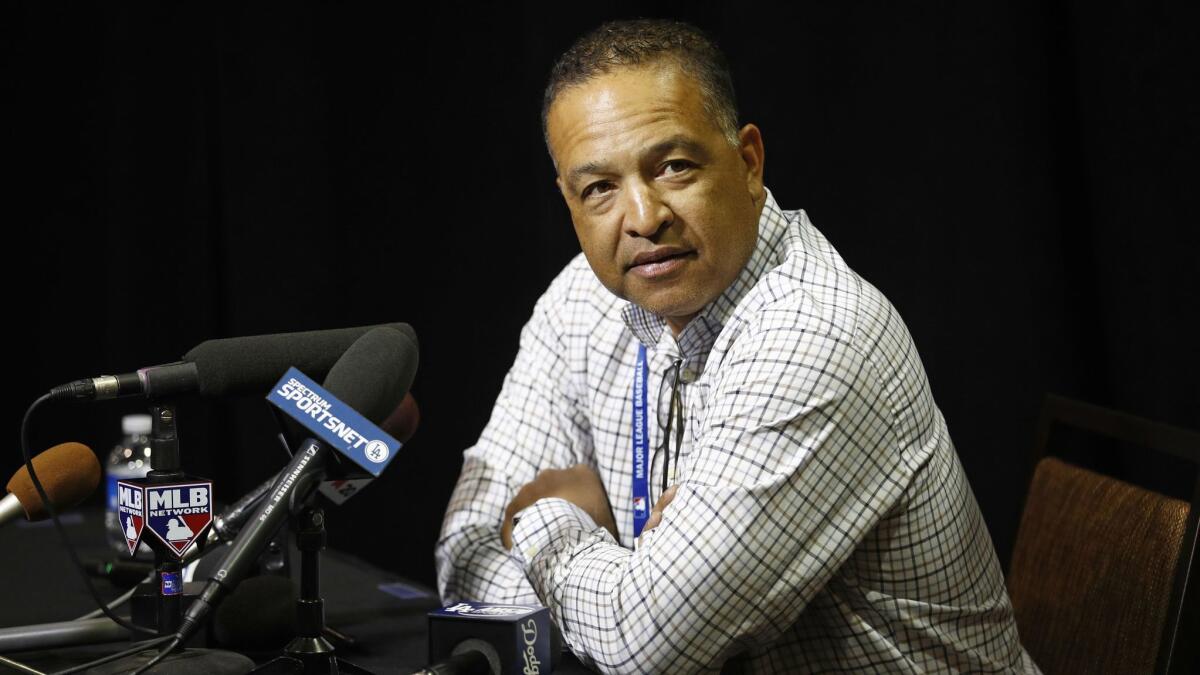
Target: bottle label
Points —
{"points": [[112, 492]]}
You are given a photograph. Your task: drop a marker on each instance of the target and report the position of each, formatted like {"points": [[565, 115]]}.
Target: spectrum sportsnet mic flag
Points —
{"points": [[334, 422]]}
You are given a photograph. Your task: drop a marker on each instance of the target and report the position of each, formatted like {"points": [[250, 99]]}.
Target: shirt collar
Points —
{"points": [[700, 334]]}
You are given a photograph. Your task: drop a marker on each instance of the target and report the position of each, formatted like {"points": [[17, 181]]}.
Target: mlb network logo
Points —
{"points": [[177, 514], [639, 504], [129, 512]]}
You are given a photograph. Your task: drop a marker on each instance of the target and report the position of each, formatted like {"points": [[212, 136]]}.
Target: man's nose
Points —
{"points": [[646, 213]]}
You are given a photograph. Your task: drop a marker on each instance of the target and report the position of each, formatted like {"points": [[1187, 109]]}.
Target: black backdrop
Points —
{"points": [[1019, 179]]}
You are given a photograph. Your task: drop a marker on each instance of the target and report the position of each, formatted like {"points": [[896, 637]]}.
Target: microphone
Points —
{"points": [[226, 526], [121, 573], [401, 424], [258, 616], [404, 420], [69, 472], [371, 378], [226, 366]]}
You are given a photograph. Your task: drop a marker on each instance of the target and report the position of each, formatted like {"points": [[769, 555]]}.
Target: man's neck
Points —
{"points": [[677, 324]]}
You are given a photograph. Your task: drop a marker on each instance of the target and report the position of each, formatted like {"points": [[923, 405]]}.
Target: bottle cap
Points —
{"points": [[136, 425]]}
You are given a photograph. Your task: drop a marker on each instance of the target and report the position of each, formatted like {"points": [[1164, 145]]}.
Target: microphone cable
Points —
{"points": [[119, 600], [135, 648], [175, 639], [18, 666], [62, 531]]}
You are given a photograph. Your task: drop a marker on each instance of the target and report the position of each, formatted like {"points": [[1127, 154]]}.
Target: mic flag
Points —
{"points": [[336, 424], [510, 639], [177, 513]]}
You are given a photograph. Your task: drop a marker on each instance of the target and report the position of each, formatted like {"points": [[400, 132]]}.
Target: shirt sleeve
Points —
{"points": [[536, 424], [794, 465]]}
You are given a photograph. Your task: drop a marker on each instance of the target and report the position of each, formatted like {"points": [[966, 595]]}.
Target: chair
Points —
{"points": [[1100, 571]]}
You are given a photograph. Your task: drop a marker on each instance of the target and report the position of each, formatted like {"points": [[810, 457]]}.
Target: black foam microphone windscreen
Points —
{"points": [[243, 364], [259, 615]]}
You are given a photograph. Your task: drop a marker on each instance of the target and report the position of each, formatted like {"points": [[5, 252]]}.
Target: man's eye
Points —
{"points": [[596, 188], [675, 166]]}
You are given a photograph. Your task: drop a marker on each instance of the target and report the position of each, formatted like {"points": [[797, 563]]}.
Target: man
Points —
{"points": [[810, 513]]}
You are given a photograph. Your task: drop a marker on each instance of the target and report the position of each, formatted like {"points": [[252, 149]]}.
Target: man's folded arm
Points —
{"points": [[793, 466], [535, 424]]}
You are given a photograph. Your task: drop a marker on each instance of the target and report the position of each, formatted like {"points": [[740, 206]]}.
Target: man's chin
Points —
{"points": [[676, 314]]}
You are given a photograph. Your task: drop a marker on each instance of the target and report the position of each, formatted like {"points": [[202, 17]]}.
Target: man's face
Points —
{"points": [[666, 210]]}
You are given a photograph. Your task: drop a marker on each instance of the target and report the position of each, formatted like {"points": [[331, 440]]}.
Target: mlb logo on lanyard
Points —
{"points": [[178, 514]]}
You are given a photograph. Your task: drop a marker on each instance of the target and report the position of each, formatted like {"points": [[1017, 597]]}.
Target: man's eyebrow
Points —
{"points": [[677, 142], [584, 170]]}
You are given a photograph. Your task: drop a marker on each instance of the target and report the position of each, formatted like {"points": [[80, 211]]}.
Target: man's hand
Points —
{"points": [[579, 485], [656, 512]]}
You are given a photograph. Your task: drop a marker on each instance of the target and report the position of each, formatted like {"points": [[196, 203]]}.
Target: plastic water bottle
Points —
{"points": [[128, 459]]}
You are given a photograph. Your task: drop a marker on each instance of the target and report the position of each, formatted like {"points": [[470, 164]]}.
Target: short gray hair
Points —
{"points": [[640, 42]]}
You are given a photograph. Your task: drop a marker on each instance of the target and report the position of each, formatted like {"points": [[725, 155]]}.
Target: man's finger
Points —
{"points": [[653, 521], [525, 496], [666, 498], [657, 512], [506, 528]]}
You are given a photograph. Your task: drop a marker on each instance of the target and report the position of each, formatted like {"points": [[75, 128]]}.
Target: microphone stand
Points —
{"points": [[165, 468], [167, 596], [309, 653]]}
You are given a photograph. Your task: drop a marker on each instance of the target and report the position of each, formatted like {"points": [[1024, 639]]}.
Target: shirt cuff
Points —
{"points": [[547, 525]]}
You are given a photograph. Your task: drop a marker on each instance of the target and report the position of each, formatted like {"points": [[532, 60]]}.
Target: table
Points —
{"points": [[41, 585]]}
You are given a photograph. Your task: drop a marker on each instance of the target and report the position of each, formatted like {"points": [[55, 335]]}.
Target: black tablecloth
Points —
{"points": [[41, 585]]}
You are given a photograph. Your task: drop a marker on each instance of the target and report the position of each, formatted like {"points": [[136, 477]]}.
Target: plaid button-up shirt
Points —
{"points": [[822, 522]]}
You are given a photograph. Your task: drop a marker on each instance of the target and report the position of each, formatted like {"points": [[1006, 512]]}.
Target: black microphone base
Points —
{"points": [[185, 662]]}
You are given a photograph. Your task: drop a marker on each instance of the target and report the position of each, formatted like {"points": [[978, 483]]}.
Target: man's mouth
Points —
{"points": [[659, 261]]}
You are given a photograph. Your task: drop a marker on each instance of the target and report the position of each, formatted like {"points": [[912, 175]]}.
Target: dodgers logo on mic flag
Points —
{"points": [[518, 636], [336, 424], [130, 513], [178, 514]]}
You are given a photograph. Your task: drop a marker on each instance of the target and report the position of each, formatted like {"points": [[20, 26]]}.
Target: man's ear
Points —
{"points": [[751, 150], [562, 190]]}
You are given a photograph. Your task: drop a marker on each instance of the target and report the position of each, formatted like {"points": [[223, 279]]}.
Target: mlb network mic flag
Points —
{"points": [[177, 513], [334, 422]]}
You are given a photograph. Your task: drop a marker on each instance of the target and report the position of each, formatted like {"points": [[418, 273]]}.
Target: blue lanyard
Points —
{"points": [[641, 445]]}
